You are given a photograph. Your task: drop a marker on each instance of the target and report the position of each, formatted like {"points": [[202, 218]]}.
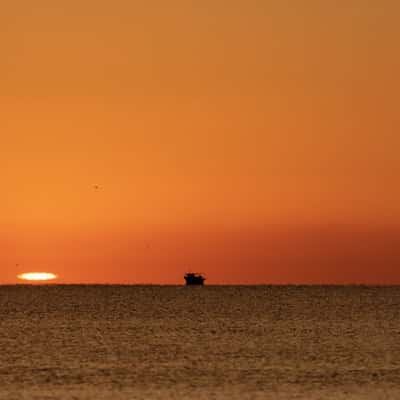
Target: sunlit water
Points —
{"points": [[121, 342]]}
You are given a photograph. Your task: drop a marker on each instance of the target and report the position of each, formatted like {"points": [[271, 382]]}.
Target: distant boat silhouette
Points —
{"points": [[193, 279]]}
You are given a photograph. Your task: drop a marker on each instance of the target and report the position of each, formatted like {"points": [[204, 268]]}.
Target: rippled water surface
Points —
{"points": [[151, 342]]}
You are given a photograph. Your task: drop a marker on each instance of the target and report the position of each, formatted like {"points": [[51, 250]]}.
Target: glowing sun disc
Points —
{"points": [[37, 276]]}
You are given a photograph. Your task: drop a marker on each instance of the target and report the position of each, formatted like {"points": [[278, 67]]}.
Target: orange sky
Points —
{"points": [[256, 141]]}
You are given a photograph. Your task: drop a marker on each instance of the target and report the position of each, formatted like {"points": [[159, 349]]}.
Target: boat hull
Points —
{"points": [[194, 280]]}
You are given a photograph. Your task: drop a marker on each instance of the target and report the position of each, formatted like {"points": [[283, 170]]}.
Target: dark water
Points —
{"points": [[132, 342]]}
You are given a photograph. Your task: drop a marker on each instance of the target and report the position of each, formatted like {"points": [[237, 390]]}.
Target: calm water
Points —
{"points": [[150, 342]]}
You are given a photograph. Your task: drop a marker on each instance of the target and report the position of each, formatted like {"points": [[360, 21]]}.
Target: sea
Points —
{"points": [[212, 342]]}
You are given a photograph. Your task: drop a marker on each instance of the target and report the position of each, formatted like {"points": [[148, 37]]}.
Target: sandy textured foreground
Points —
{"points": [[132, 342]]}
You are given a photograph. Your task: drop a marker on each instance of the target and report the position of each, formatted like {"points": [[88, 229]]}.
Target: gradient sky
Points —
{"points": [[256, 141]]}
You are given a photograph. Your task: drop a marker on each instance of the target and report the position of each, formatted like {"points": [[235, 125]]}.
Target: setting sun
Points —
{"points": [[37, 276]]}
